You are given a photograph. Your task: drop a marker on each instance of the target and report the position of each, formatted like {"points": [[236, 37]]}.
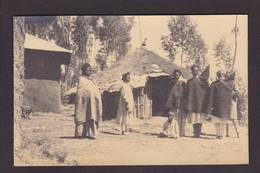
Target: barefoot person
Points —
{"points": [[195, 96], [126, 104], [233, 113], [88, 107], [170, 127], [175, 101]]}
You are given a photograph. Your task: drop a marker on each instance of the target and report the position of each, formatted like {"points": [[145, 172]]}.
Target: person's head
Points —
{"points": [[170, 118], [86, 69], [220, 75], [126, 77], [195, 70], [177, 74], [227, 75]]}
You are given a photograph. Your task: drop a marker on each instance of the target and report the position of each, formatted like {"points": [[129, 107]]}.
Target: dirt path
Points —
{"points": [[50, 136]]}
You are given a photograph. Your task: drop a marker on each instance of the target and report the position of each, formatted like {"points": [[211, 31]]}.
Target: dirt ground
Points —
{"points": [[48, 140]]}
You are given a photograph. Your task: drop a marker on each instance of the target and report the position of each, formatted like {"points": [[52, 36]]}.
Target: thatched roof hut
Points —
{"points": [[149, 78], [139, 64]]}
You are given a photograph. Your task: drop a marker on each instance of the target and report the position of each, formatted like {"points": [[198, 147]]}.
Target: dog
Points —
{"points": [[26, 112]]}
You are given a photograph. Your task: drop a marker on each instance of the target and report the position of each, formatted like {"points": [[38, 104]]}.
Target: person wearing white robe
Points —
{"points": [[88, 107], [170, 127], [125, 111]]}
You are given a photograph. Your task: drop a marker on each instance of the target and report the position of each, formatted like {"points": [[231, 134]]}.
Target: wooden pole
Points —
{"points": [[140, 30], [233, 69], [235, 51]]}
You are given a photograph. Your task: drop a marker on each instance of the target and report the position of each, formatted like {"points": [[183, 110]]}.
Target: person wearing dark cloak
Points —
{"points": [[195, 97], [88, 106], [219, 103], [175, 104]]}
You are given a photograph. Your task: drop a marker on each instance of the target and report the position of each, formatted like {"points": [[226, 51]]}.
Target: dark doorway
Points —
{"points": [[110, 104], [160, 90]]}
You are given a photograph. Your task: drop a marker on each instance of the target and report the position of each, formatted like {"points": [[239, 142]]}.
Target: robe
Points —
{"points": [[126, 101], [175, 104], [88, 102], [196, 94], [220, 99], [175, 99], [170, 130], [195, 99]]}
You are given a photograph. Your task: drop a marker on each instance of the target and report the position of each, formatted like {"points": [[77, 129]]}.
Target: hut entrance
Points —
{"points": [[110, 104], [159, 87]]}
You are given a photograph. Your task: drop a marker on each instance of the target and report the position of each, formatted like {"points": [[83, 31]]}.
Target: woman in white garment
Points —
{"points": [[233, 114], [88, 107], [125, 110]]}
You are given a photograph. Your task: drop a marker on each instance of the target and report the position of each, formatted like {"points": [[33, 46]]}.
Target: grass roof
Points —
{"points": [[138, 63]]}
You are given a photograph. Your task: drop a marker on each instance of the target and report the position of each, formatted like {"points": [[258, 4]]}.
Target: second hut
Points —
{"points": [[150, 80]]}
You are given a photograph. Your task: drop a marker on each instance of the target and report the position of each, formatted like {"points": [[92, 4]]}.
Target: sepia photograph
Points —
{"points": [[101, 90]]}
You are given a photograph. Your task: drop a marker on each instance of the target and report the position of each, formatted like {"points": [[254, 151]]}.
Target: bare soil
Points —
{"points": [[48, 140]]}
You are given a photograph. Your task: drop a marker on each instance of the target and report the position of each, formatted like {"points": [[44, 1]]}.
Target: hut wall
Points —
{"points": [[44, 65], [143, 104], [42, 75], [42, 95], [149, 100]]}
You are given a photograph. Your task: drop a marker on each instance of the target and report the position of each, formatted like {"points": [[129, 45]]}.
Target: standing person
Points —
{"points": [[219, 103], [126, 104], [233, 113], [88, 108], [175, 101], [195, 98]]}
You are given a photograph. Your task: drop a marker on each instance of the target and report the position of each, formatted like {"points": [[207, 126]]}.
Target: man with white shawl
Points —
{"points": [[125, 111], [88, 107]]}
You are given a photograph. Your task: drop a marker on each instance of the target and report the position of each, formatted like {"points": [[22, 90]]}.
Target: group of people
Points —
{"points": [[88, 105], [194, 101]]}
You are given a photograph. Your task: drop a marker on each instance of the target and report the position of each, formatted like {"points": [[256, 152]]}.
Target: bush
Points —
{"points": [[242, 101]]}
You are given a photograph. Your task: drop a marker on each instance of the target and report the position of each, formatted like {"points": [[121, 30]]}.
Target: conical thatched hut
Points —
{"points": [[150, 79]]}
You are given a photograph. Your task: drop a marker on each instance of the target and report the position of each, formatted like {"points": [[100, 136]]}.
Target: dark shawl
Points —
{"points": [[220, 97], [176, 93], [195, 95]]}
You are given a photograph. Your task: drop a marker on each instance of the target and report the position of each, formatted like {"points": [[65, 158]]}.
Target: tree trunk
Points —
{"points": [[19, 37]]}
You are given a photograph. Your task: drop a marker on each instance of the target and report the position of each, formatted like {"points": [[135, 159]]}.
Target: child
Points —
{"points": [[170, 127]]}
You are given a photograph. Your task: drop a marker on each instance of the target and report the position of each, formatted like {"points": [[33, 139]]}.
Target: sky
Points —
{"points": [[211, 27]]}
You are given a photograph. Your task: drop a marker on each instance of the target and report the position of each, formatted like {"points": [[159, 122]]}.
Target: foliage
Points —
{"points": [[41, 26], [222, 54], [242, 102], [184, 37], [81, 30], [19, 33], [115, 35]]}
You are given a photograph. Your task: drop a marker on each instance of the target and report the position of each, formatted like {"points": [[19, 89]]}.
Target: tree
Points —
{"points": [[222, 54], [184, 37], [19, 35], [63, 26], [41, 26], [115, 35]]}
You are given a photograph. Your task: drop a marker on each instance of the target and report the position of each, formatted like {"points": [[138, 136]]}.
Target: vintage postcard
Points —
{"points": [[130, 90]]}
